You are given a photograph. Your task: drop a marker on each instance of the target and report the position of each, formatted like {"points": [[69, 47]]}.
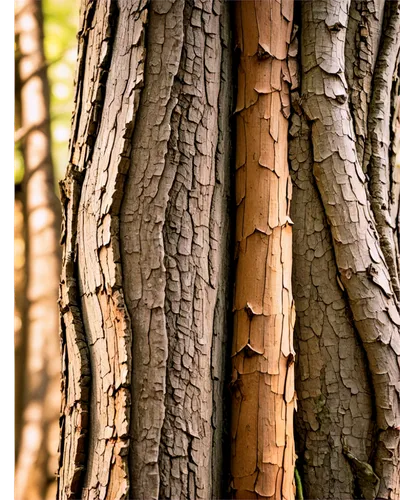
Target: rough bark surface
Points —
{"points": [[95, 325], [363, 36], [363, 272], [262, 352], [37, 458], [174, 241], [376, 157], [334, 406], [142, 410]]}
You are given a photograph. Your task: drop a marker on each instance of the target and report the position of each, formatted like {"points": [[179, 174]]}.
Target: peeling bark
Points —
{"points": [[143, 410], [363, 36], [95, 324], [363, 272], [263, 398]]}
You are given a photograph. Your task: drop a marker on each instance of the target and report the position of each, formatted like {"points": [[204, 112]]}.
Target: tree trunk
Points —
{"points": [[262, 350], [147, 274], [145, 270], [345, 261], [37, 458]]}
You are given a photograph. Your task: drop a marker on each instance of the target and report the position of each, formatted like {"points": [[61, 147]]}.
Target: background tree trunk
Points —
{"points": [[146, 274], [37, 458], [145, 285]]}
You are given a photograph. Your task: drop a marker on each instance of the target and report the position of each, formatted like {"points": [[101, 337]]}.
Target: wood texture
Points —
{"points": [[335, 404], [263, 397], [144, 285], [96, 327], [174, 239], [363, 272], [376, 157]]}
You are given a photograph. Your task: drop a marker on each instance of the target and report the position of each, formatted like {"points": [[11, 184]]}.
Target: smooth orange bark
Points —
{"points": [[263, 356]]}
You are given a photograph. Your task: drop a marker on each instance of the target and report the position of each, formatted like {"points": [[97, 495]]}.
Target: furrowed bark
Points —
{"points": [[394, 160], [95, 321], [376, 158], [362, 268], [363, 36], [174, 226], [263, 398], [37, 460], [334, 398]]}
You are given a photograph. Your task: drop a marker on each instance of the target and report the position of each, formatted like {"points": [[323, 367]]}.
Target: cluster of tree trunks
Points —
{"points": [[183, 360]]}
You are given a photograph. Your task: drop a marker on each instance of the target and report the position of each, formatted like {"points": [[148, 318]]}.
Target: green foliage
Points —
{"points": [[60, 27], [299, 486]]}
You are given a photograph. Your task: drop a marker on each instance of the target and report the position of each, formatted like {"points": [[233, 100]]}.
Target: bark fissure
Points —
{"points": [[170, 241], [363, 36], [341, 182], [334, 406], [95, 318], [75, 370], [376, 157]]}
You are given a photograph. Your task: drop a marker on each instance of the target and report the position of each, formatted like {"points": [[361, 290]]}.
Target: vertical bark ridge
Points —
{"points": [[192, 234], [363, 36], [376, 157], [334, 398], [220, 235], [95, 323], [143, 253], [173, 220], [394, 160], [362, 268], [262, 349]]}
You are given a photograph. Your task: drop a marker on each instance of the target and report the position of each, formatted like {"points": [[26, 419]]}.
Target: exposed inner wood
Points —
{"points": [[262, 351]]}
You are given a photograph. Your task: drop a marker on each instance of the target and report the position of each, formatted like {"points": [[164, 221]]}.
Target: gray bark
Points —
{"points": [[145, 284], [337, 129]]}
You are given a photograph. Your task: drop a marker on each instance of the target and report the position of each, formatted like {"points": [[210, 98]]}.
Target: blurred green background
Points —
{"points": [[60, 42]]}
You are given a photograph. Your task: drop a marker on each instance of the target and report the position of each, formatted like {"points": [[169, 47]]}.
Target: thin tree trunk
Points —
{"points": [[144, 284], [263, 356], [37, 459], [19, 315]]}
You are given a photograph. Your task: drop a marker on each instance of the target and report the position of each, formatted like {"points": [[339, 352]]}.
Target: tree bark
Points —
{"points": [[146, 233], [336, 131], [37, 458], [146, 276], [262, 350]]}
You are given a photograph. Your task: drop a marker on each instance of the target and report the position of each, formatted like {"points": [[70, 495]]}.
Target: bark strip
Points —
{"points": [[377, 160], [341, 183], [263, 398], [174, 232], [95, 322], [334, 398], [363, 37]]}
